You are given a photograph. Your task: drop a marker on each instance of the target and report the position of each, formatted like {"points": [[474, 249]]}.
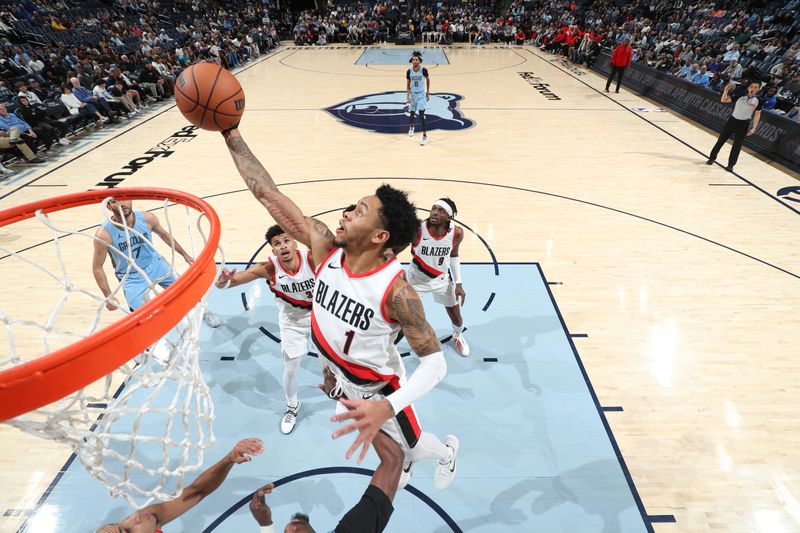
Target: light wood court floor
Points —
{"points": [[685, 278]]}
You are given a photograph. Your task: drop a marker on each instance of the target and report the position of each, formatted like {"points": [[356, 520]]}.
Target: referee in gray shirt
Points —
{"points": [[747, 107]]}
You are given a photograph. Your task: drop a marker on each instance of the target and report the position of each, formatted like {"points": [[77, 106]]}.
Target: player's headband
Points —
{"points": [[444, 205]]}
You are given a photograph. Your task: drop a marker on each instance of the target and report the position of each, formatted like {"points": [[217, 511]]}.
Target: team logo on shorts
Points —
{"points": [[388, 112]]}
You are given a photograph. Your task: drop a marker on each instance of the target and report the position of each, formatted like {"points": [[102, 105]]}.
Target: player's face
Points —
{"points": [[415, 62], [125, 205], [283, 246], [362, 225], [438, 215]]}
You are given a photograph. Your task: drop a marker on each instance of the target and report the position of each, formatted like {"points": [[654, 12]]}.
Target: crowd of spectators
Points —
{"points": [[705, 43], [71, 65]]}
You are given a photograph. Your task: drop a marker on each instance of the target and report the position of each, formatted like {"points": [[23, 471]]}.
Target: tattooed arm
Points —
{"points": [[306, 230], [368, 416]]}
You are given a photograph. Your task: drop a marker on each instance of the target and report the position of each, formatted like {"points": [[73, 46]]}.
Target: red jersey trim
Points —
{"points": [[385, 296], [299, 264], [324, 260], [419, 237], [446, 233], [362, 372], [369, 272], [425, 268], [288, 299]]}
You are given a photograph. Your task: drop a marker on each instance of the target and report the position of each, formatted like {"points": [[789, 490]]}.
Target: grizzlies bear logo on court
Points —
{"points": [[388, 112]]}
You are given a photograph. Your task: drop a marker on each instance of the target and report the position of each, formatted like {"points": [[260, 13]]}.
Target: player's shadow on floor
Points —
{"points": [[511, 506]]}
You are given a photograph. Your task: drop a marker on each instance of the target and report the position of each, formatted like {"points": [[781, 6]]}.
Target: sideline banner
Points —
{"points": [[776, 137]]}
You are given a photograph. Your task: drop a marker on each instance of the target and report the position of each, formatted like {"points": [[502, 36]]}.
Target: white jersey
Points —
{"points": [[431, 255], [293, 290], [349, 325]]}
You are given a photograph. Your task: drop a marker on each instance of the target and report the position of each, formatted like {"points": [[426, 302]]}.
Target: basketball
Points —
{"points": [[209, 96]]}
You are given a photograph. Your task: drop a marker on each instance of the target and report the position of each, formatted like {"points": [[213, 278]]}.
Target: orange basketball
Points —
{"points": [[209, 96]]}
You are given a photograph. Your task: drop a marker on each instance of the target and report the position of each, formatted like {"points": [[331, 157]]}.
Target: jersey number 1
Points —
{"points": [[349, 336]]}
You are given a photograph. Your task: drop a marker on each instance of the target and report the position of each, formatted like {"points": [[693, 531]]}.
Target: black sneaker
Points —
{"points": [[710, 162], [36, 160], [729, 168]]}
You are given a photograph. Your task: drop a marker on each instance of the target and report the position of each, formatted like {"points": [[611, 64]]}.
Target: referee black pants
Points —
{"points": [[619, 71], [737, 128]]}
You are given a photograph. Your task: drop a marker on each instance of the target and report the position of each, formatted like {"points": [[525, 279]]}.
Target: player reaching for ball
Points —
{"points": [[290, 276], [360, 303]]}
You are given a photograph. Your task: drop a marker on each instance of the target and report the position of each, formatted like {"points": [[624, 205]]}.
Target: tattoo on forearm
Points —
{"points": [[410, 314], [255, 175]]}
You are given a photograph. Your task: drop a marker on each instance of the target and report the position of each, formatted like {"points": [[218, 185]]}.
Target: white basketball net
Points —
{"points": [[142, 428]]}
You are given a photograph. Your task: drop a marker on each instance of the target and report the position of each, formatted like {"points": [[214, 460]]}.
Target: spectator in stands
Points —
{"points": [[620, 59], [151, 80], [734, 70], [716, 83], [33, 98], [42, 124], [769, 98], [701, 77], [11, 136], [694, 69], [76, 107], [122, 105], [87, 97]]}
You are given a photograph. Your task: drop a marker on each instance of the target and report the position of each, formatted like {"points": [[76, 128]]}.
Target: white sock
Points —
{"points": [[457, 330], [290, 367], [430, 447]]}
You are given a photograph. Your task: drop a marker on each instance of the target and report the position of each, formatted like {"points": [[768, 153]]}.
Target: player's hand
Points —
{"points": [[460, 294], [259, 508], [225, 276], [751, 131], [188, 258], [427, 97], [112, 304], [329, 384], [369, 416], [408, 97], [32, 134], [244, 450]]}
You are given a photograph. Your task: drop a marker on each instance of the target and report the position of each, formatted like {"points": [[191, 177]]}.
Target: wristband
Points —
{"points": [[268, 529], [431, 370], [455, 269]]}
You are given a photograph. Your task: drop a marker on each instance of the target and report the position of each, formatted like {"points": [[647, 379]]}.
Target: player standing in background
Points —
{"points": [[436, 267], [290, 276], [418, 88]]}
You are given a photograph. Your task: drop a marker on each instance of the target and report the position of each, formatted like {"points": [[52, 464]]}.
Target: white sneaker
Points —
{"points": [[405, 476], [411, 131], [461, 345], [289, 419], [424, 140], [63, 141], [5, 171], [211, 319], [445, 473], [103, 120]]}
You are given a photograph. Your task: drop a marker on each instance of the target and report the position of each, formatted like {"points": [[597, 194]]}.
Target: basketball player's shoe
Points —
{"points": [[446, 472], [461, 345], [424, 140], [405, 475], [289, 419], [411, 131]]}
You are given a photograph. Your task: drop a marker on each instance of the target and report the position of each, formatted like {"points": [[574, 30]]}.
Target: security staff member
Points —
{"points": [[747, 107]]}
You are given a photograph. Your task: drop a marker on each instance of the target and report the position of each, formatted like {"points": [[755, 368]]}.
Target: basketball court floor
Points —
{"points": [[631, 311]]}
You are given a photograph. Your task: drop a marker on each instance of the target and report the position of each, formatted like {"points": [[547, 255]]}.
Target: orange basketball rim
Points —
{"points": [[39, 382]]}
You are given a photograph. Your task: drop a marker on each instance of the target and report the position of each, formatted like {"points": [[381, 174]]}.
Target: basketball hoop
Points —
{"points": [[163, 333]]}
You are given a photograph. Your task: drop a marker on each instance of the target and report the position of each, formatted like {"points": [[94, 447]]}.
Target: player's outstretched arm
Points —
{"points": [[306, 230], [208, 482], [406, 308], [167, 237], [230, 278]]}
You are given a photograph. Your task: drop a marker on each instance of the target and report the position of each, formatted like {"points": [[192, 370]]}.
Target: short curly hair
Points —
{"points": [[397, 215], [273, 232]]}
